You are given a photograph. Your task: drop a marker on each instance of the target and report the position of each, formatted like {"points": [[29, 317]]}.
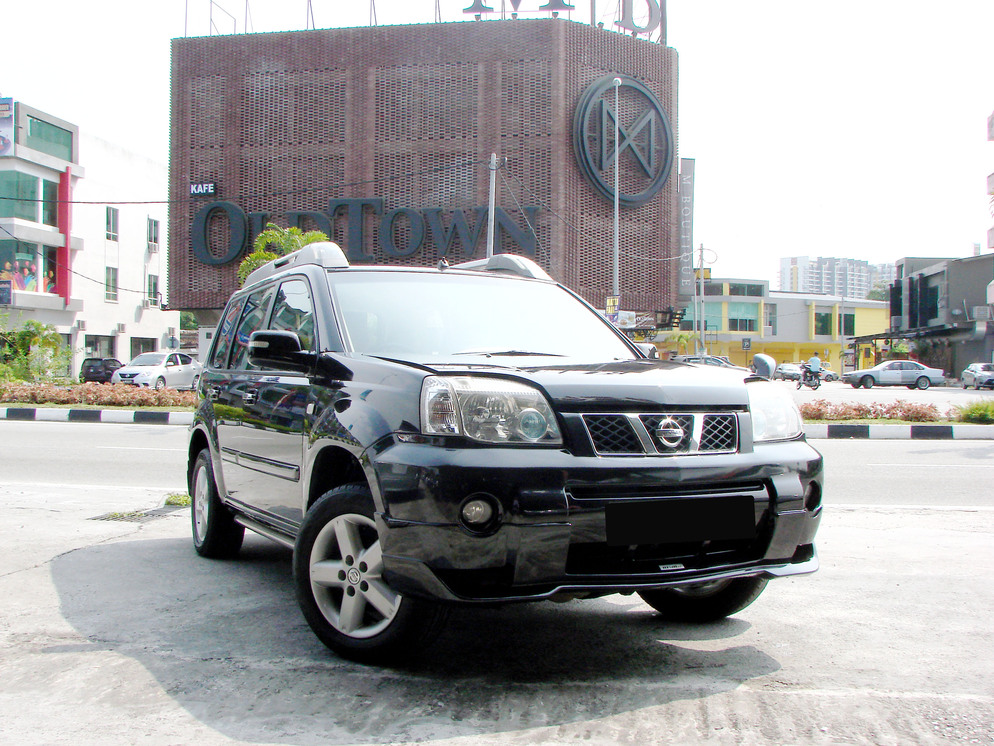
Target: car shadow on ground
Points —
{"points": [[226, 641]]}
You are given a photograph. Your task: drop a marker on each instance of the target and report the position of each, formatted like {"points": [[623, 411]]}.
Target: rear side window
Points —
{"points": [[252, 319], [222, 341]]}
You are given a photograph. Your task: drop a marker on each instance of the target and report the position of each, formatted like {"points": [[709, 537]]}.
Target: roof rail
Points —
{"points": [[507, 263], [323, 253]]}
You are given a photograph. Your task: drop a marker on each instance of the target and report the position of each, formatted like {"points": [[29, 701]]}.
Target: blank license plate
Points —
{"points": [[681, 520]]}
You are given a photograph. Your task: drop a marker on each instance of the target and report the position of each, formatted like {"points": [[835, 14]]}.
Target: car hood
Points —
{"points": [[620, 383]]}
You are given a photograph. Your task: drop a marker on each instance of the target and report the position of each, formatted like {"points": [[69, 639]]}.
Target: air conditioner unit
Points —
{"points": [[982, 313], [122, 328], [767, 331], [153, 248], [171, 331], [150, 302], [81, 325]]}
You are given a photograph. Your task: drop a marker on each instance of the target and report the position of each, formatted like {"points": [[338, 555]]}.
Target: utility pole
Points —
{"points": [[700, 295]]}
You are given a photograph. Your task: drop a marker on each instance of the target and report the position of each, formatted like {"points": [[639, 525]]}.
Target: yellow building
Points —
{"points": [[738, 318]]}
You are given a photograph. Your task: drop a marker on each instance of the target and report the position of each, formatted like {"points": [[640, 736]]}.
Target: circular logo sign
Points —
{"points": [[644, 145]]}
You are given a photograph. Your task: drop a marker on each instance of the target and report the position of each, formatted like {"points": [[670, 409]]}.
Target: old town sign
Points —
{"points": [[645, 139], [401, 232]]}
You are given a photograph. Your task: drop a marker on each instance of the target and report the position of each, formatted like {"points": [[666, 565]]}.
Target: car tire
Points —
{"points": [[705, 602], [337, 569], [215, 533], [160, 383], [866, 382], [922, 383]]}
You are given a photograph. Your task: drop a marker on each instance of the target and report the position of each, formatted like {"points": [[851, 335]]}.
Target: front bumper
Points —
{"points": [[552, 537]]}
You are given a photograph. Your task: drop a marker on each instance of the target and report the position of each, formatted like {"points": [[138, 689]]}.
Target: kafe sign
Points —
{"points": [[401, 231], [655, 9]]}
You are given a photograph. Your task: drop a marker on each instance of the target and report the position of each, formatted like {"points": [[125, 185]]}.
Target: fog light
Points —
{"points": [[477, 512], [812, 497]]}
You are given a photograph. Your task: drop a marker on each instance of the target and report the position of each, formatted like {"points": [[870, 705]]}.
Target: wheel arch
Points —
{"points": [[333, 467]]}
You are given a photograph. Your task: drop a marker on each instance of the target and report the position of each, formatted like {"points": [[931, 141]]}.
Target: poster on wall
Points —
{"points": [[6, 126]]}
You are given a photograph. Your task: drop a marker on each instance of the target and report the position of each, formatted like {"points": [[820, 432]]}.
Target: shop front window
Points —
{"points": [[19, 264]]}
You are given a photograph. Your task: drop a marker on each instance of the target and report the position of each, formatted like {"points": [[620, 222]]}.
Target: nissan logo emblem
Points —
{"points": [[670, 433]]}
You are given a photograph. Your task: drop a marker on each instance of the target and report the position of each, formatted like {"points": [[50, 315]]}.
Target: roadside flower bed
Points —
{"points": [[819, 409], [97, 394]]}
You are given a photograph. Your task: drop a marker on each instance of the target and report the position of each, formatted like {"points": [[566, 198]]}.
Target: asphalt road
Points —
{"points": [[114, 631]]}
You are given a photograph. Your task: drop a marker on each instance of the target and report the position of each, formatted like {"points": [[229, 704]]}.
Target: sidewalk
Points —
{"points": [[814, 431]]}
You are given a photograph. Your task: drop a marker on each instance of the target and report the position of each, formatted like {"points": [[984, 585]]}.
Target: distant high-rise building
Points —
{"points": [[853, 278]]}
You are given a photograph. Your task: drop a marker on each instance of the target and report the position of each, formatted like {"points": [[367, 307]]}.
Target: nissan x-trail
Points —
{"points": [[478, 434]]}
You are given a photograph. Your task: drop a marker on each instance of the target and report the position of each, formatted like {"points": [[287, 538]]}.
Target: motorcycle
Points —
{"points": [[808, 378]]}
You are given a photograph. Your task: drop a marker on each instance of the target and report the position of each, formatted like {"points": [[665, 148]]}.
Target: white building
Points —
{"points": [[82, 237], [853, 278]]}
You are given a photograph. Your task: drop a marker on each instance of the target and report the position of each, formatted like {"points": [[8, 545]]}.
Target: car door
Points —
{"points": [[911, 372], [891, 374], [262, 424]]}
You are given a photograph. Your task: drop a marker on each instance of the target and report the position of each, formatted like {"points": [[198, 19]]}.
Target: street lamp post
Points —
{"points": [[615, 286]]}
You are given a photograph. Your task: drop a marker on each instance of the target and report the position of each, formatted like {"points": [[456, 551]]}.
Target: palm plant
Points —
{"points": [[273, 243]]}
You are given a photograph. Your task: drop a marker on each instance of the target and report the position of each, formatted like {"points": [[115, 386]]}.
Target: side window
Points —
{"points": [[226, 332], [185, 359], [294, 312], [253, 318]]}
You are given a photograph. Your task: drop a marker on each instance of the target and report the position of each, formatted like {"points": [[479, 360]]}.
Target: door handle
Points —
{"points": [[251, 397], [214, 393]]}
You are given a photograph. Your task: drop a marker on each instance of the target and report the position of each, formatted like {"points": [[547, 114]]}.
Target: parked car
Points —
{"points": [[422, 455], [895, 373], [718, 362], [978, 375], [98, 369], [159, 370], [788, 372], [827, 374]]}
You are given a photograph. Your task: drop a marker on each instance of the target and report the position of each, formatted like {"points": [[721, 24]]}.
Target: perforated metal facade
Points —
{"points": [[410, 114]]}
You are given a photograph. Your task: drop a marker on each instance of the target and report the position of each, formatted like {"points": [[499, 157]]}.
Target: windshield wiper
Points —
{"points": [[507, 353]]}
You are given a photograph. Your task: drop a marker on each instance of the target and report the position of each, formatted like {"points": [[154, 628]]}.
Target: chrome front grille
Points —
{"points": [[662, 434]]}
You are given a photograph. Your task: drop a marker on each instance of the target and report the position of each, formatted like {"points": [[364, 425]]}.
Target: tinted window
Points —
{"points": [[253, 319], [294, 312], [222, 342]]}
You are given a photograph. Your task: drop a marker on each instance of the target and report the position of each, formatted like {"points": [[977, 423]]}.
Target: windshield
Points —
{"points": [[453, 316], [148, 359]]}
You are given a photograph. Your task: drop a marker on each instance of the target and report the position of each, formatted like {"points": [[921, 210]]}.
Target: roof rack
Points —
{"points": [[323, 253], [507, 263]]}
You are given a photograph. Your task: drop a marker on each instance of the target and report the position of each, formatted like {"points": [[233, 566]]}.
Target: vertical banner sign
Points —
{"points": [[686, 211], [6, 126]]}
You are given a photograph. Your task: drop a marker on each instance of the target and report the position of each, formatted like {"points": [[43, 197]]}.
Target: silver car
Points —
{"points": [[895, 373], [978, 375], [160, 369]]}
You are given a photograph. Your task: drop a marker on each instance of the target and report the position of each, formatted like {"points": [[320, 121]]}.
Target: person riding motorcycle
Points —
{"points": [[811, 372]]}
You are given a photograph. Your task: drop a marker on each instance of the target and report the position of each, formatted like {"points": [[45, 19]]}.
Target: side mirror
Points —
{"points": [[764, 365], [648, 349], [270, 348]]}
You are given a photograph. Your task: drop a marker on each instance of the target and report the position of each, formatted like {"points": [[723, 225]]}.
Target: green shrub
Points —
{"points": [[980, 412]]}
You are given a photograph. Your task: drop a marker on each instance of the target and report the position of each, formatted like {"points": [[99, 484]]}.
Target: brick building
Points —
{"points": [[381, 137]]}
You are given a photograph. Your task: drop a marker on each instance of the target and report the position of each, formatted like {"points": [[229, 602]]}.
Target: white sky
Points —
{"points": [[852, 128]]}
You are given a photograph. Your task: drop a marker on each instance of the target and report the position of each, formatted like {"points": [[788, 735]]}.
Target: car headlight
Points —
{"points": [[775, 416], [491, 410]]}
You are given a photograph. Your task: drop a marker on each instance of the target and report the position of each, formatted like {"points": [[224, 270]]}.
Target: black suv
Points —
{"points": [[479, 434], [98, 370]]}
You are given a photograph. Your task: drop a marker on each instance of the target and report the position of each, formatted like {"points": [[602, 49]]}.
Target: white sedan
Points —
{"points": [[160, 369], [895, 373]]}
